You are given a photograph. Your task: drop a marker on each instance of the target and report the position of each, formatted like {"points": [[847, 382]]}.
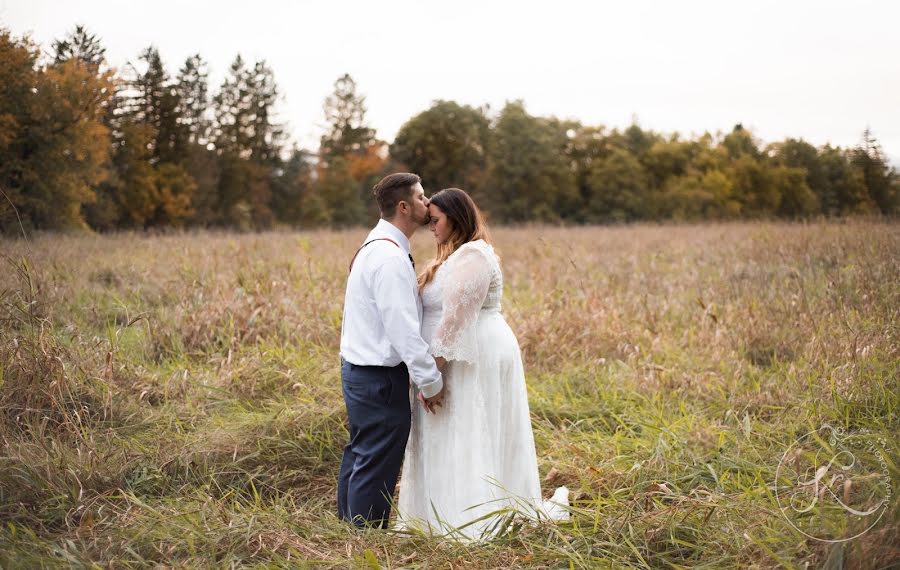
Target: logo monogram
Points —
{"points": [[833, 486]]}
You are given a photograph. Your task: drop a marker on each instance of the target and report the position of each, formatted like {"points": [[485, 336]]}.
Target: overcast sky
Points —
{"points": [[821, 70]]}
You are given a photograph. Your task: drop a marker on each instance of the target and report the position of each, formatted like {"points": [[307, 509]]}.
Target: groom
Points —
{"points": [[381, 350]]}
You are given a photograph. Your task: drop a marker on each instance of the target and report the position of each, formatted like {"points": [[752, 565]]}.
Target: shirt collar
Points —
{"points": [[390, 230]]}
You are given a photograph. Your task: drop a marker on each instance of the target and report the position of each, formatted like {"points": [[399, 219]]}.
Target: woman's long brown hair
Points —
{"points": [[466, 222]]}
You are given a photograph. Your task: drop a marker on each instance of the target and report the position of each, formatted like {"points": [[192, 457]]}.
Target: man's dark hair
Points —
{"points": [[392, 189]]}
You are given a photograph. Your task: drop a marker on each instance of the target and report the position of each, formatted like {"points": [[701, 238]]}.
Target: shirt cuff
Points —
{"points": [[432, 388]]}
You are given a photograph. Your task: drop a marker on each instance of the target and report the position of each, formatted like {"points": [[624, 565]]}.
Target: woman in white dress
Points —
{"points": [[473, 455]]}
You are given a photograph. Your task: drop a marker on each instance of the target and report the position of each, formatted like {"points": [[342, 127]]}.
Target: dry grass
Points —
{"points": [[175, 399]]}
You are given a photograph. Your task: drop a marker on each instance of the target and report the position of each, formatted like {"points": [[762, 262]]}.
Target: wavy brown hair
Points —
{"points": [[467, 225]]}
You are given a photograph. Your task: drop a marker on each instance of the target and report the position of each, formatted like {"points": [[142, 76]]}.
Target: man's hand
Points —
{"points": [[433, 402]]}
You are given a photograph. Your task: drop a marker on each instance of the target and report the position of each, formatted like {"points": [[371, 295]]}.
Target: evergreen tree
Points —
{"points": [[198, 158], [152, 99], [244, 193], [348, 151], [232, 110], [153, 186], [265, 137], [248, 142], [880, 179], [192, 87], [843, 189], [244, 110], [80, 45], [291, 186], [345, 115], [202, 164]]}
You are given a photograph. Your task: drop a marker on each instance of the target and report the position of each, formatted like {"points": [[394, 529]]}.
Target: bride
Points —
{"points": [[475, 454]]}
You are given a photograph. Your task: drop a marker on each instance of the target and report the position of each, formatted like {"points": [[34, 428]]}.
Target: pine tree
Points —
{"points": [[195, 116], [880, 179], [345, 114], [80, 45], [192, 86], [248, 142], [265, 136], [291, 186]]}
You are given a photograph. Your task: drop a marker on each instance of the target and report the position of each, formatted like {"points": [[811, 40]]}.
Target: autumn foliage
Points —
{"points": [[83, 145]]}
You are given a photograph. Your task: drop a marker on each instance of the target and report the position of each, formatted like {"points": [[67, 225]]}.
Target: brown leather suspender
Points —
{"points": [[367, 243]]}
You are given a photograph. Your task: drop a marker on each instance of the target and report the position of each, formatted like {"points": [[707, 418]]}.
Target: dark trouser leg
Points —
{"points": [[375, 478], [379, 416], [348, 457], [344, 479]]}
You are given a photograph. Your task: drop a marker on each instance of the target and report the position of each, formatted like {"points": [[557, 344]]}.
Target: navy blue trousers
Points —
{"points": [[378, 414]]}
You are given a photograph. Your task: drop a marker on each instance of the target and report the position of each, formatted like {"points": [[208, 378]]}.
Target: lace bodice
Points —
{"points": [[466, 287]]}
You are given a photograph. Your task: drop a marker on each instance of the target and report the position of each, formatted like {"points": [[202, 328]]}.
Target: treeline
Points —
{"points": [[86, 146], [525, 168]]}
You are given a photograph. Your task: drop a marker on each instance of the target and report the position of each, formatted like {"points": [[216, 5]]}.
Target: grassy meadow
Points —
{"points": [[175, 400]]}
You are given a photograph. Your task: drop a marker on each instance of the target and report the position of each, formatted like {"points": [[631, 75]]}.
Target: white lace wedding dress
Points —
{"points": [[476, 455]]}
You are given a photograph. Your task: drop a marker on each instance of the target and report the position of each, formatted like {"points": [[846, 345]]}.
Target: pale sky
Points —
{"points": [[820, 70]]}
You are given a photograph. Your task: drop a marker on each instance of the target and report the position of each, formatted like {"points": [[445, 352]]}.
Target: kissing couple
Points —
{"points": [[439, 338]]}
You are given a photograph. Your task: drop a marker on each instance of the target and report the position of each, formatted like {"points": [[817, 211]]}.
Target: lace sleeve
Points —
{"points": [[468, 279]]}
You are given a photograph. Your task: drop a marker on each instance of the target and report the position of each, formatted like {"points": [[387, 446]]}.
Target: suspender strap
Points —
{"points": [[367, 243]]}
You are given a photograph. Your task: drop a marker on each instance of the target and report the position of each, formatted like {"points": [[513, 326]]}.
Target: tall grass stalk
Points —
{"points": [[174, 400]]}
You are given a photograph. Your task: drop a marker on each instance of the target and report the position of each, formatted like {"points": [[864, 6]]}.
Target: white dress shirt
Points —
{"points": [[383, 311]]}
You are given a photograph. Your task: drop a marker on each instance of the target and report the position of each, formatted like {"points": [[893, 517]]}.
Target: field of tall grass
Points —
{"points": [[175, 400]]}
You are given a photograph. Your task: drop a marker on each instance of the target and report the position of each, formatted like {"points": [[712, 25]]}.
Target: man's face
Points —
{"points": [[419, 206]]}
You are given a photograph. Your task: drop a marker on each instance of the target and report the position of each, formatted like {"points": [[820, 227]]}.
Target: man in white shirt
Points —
{"points": [[381, 350]]}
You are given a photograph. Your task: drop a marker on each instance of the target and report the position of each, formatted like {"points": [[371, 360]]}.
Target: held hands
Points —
{"points": [[438, 399], [433, 402]]}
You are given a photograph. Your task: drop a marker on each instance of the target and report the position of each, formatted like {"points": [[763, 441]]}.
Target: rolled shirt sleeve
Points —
{"points": [[395, 298]]}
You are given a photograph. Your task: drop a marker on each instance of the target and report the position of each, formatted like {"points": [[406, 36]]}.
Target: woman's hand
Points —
{"points": [[441, 362], [430, 404]]}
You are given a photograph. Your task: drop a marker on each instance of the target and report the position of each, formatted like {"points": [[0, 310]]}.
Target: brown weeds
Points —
{"points": [[175, 400]]}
